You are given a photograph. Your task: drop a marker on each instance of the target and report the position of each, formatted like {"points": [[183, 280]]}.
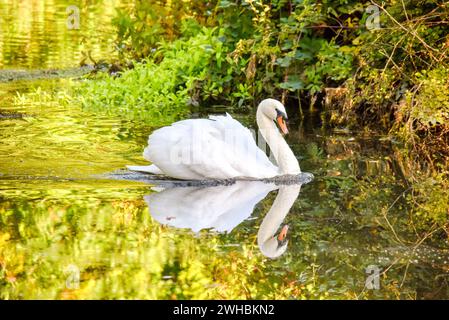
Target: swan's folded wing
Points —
{"points": [[219, 148], [170, 149], [247, 157]]}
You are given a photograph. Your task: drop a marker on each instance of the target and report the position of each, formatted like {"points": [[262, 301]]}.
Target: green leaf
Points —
{"points": [[292, 85]]}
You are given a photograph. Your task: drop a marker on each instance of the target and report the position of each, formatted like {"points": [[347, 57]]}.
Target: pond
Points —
{"points": [[75, 225]]}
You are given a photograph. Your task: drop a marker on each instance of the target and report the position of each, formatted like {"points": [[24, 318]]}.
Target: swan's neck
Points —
{"points": [[274, 218], [285, 159]]}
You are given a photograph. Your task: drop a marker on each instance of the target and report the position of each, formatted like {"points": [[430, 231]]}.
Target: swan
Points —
{"points": [[220, 147], [222, 208], [270, 244]]}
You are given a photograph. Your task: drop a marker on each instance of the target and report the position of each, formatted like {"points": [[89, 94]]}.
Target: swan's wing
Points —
{"points": [[219, 147], [248, 158], [170, 148], [221, 208]]}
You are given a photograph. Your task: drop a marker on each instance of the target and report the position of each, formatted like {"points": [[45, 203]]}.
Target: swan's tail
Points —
{"points": [[149, 169]]}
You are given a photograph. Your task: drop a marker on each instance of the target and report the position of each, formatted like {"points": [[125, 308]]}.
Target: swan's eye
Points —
{"points": [[281, 114]]}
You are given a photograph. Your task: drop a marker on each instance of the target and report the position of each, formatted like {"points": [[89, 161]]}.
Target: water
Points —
{"points": [[34, 34], [71, 228]]}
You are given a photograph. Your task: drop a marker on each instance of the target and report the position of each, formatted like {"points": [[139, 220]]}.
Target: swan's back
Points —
{"points": [[215, 148]]}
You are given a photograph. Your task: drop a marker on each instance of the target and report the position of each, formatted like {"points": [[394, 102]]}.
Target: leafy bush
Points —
{"points": [[156, 92], [141, 27], [275, 50], [266, 48], [429, 107], [423, 117]]}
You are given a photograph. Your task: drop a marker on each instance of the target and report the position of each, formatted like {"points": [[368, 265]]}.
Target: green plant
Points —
{"points": [[140, 27], [157, 89]]}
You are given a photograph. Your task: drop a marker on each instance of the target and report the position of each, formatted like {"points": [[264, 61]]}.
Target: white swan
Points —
{"points": [[221, 148], [222, 208], [270, 245]]}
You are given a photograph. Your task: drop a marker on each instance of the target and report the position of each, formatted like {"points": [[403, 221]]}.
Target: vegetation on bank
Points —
{"points": [[157, 89]]}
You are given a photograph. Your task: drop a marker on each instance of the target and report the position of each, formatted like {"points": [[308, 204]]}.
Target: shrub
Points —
{"points": [[157, 92]]}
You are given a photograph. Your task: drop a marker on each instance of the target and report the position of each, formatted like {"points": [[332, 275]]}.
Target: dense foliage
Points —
{"points": [[157, 89]]}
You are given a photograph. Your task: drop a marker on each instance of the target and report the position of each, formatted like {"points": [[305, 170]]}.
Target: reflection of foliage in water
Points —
{"points": [[337, 229], [35, 34], [368, 215], [121, 254]]}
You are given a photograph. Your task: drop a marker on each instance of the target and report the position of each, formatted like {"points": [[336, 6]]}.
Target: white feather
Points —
{"points": [[216, 148]]}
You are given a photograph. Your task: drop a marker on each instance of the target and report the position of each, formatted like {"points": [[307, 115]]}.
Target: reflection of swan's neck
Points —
{"points": [[286, 160], [266, 239]]}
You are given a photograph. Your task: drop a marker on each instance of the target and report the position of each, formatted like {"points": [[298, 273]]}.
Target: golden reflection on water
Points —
{"points": [[34, 33], [61, 141]]}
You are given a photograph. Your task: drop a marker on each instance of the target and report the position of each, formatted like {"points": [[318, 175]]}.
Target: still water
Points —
{"points": [[75, 225]]}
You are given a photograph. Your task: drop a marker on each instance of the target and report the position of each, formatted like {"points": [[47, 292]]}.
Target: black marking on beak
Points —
{"points": [[282, 237], [281, 119], [281, 243], [281, 114]]}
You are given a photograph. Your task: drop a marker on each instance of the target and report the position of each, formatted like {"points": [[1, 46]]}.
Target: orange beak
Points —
{"points": [[282, 124], [283, 234]]}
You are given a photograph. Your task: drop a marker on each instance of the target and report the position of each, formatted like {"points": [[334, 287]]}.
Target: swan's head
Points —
{"points": [[274, 110], [276, 245]]}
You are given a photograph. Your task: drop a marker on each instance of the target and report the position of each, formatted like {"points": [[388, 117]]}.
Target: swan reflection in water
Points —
{"points": [[223, 207]]}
